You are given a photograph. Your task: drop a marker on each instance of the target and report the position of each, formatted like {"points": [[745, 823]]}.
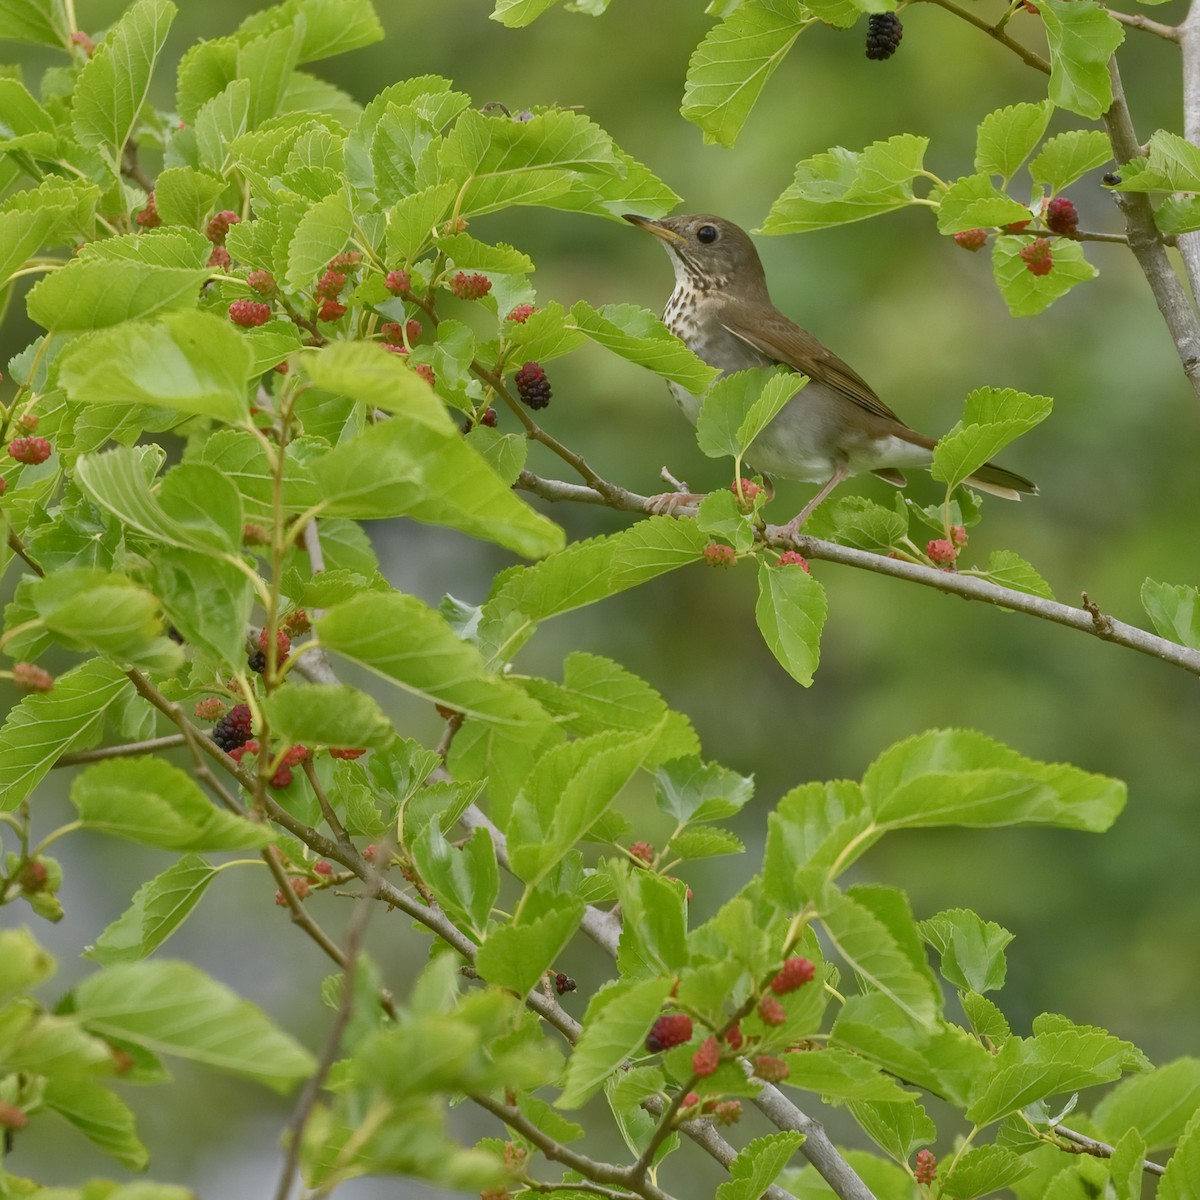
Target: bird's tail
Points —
{"points": [[998, 481]]}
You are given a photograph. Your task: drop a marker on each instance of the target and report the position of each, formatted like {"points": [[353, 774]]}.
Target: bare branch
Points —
{"points": [[170, 742], [1102, 1149], [1137, 21], [1189, 44], [967, 586], [1173, 302]]}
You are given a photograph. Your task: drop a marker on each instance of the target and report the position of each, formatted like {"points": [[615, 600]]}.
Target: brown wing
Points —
{"points": [[787, 343]]}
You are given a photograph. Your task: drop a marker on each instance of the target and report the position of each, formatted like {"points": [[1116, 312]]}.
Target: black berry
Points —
{"points": [[884, 32], [233, 729], [256, 660], [532, 385]]}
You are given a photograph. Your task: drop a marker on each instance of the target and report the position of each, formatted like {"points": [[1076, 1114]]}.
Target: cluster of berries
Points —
{"points": [[1060, 217], [884, 32]]}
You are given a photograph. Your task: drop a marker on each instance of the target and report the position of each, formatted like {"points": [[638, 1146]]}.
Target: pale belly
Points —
{"points": [[807, 440]]}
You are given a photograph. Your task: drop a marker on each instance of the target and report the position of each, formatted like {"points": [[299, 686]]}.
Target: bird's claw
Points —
{"points": [[674, 504]]}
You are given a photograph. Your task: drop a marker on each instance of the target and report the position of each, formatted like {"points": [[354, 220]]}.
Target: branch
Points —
{"points": [[969, 587], [1137, 21], [1144, 239], [1189, 45], [128, 750], [997, 32], [1102, 1149]]}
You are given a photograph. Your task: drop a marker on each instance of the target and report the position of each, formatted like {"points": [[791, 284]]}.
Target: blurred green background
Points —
{"points": [[1106, 928]]}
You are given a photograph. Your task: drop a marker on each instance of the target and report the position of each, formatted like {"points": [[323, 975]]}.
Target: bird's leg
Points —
{"points": [[676, 503], [793, 526]]}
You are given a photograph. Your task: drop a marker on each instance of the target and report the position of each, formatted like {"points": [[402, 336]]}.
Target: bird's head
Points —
{"points": [[707, 252]]}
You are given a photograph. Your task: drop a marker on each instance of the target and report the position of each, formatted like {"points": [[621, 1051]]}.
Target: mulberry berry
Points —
{"points": [[1038, 257], [717, 555], [971, 239], [796, 973], [346, 752], [29, 450], [470, 287], [532, 385], [770, 1069], [884, 32], [262, 282], [564, 983], [249, 313], [521, 314], [706, 1060], [1061, 217], [668, 1031], [399, 283], [926, 1167], [148, 218], [218, 227], [789, 558], [771, 1011], [31, 677], [233, 729]]}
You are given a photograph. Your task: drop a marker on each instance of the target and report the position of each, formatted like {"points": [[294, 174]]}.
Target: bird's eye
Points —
{"points": [[707, 234]]}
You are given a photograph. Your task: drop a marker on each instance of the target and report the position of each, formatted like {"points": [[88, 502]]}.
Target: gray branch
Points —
{"points": [[1189, 44]]}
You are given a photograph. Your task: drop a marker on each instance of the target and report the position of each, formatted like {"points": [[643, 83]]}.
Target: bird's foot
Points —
{"points": [[680, 502], [674, 504]]}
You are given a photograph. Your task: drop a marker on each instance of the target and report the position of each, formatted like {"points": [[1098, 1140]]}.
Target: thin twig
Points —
{"points": [[301, 917], [1189, 46], [1102, 1149], [967, 586], [997, 32], [1137, 21], [169, 742], [331, 817], [1173, 302]]}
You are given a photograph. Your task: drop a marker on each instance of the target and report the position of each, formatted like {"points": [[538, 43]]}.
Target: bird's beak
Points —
{"points": [[659, 230]]}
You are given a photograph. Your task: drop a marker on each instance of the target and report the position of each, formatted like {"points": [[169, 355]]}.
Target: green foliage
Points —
{"points": [[306, 330]]}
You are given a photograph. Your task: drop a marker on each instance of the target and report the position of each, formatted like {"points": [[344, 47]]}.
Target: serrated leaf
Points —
{"points": [[1069, 156], [617, 1021], [191, 363], [1009, 570], [1007, 137], [93, 294], [638, 335], [173, 1008], [757, 1165], [1158, 1105], [150, 801], [1082, 38], [897, 1129], [543, 336], [1027, 294], [114, 82], [960, 777], [971, 949], [41, 21], [411, 220], [158, 908], [841, 185], [44, 726], [975, 201], [516, 956], [465, 882], [328, 714], [185, 195], [790, 613], [992, 417], [690, 790], [1174, 610], [322, 232], [839, 1075], [869, 949], [102, 1117], [982, 1170], [515, 14], [727, 407], [704, 843], [731, 66], [985, 1018]]}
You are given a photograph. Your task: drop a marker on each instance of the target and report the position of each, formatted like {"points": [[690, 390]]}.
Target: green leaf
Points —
{"points": [[115, 81], [192, 364], [469, 254], [543, 336], [322, 232], [1046, 1065], [100, 1115], [465, 882], [173, 1008], [971, 949], [859, 522], [1181, 1180], [405, 468], [185, 195], [1069, 156], [1027, 294], [41, 21], [516, 956], [158, 908], [839, 1075], [790, 613], [1174, 611], [91, 293], [1178, 214], [983, 1170], [727, 406], [844, 185], [867, 946], [975, 200], [704, 843], [1173, 165], [571, 788], [328, 714], [731, 66], [654, 911], [1082, 38], [514, 14], [46, 725], [149, 801], [25, 125], [897, 1129], [1158, 1105], [985, 1018], [757, 1165], [404, 641], [1007, 137], [23, 963], [959, 777], [721, 516], [639, 336], [220, 122], [1010, 570], [328, 27], [992, 417], [1127, 1166], [618, 1019], [690, 790], [411, 219]]}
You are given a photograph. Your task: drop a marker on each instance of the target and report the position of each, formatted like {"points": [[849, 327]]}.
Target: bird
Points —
{"points": [[835, 426]]}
